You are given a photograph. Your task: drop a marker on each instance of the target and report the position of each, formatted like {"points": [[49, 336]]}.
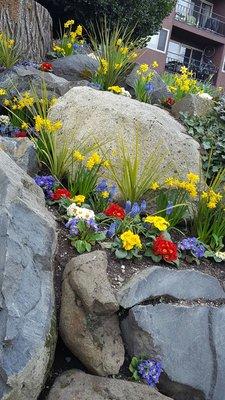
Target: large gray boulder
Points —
{"points": [[76, 67], [22, 151], [189, 339], [176, 284], [91, 115], [22, 78], [80, 386], [89, 325], [27, 312]]}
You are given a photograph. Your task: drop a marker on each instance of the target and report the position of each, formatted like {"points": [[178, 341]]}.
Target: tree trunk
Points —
{"points": [[29, 24]]}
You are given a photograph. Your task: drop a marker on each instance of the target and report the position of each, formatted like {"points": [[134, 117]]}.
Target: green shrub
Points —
{"points": [[145, 15], [209, 132]]}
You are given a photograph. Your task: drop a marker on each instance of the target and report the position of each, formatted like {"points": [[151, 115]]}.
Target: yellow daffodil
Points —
{"points": [[69, 23], [78, 156], [95, 159], [154, 186], [155, 64], [45, 124]]}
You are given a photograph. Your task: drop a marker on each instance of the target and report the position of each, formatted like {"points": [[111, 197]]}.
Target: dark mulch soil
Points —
{"points": [[119, 272]]}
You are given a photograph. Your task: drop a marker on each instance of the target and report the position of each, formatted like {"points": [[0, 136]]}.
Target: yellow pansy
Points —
{"points": [[159, 222], [79, 199], [130, 240]]}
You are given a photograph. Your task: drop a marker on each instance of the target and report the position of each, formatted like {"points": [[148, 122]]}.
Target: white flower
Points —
{"points": [[80, 212], [125, 93], [4, 120], [220, 255], [205, 96]]}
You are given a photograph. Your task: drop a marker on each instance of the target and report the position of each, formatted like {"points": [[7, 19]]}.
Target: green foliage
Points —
{"points": [[177, 200], [82, 180], [86, 238], [133, 368], [10, 52], [132, 175], [114, 50], [146, 15], [209, 132]]}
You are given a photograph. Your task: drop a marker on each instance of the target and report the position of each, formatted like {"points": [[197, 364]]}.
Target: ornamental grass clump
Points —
{"points": [[132, 175], [70, 40], [115, 52], [10, 52]]}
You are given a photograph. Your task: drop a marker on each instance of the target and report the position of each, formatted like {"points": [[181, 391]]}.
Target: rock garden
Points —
{"points": [[112, 211]]}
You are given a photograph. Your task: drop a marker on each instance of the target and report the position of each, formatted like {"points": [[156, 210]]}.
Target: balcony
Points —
{"points": [[203, 70], [200, 17]]}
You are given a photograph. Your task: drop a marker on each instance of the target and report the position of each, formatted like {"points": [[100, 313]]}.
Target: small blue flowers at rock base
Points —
{"points": [[47, 183], [150, 371]]}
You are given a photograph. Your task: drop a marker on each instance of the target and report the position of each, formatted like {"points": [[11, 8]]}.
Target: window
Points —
{"points": [[159, 42], [183, 54]]}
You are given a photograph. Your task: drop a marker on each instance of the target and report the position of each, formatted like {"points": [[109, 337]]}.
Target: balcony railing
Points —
{"points": [[202, 70], [193, 16]]}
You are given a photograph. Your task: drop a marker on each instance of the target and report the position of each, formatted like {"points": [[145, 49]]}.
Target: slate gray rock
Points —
{"points": [[75, 67], [27, 311], [160, 90], [80, 386], [190, 343], [23, 78], [160, 281], [89, 325], [22, 151]]}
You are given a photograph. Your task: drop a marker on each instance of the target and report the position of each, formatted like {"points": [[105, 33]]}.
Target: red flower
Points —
{"points": [[47, 67], [169, 101], [21, 134], [60, 193], [114, 210], [165, 248]]}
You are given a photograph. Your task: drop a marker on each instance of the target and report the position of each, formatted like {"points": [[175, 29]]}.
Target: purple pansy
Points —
{"points": [[192, 244], [150, 371]]}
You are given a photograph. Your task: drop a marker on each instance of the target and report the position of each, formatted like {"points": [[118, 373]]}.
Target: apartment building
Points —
{"points": [[193, 35]]}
